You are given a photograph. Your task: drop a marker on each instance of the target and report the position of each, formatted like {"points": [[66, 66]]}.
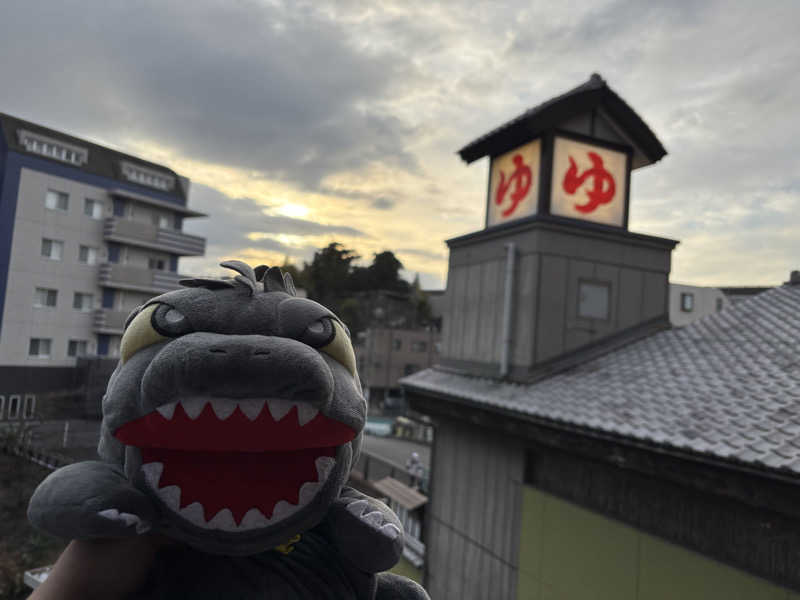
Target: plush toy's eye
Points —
{"points": [[153, 324], [319, 333], [170, 322]]}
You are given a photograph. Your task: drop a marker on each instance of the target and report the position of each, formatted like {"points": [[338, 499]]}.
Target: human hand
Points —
{"points": [[110, 569]]}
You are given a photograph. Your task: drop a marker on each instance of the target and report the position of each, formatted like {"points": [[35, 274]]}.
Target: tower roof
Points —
{"points": [[593, 95]]}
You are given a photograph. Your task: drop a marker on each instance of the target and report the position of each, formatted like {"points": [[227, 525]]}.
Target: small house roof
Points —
{"points": [[725, 386]]}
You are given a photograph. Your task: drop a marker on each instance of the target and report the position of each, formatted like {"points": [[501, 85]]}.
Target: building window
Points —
{"points": [[149, 177], [719, 304], [593, 300], [29, 406], [93, 208], [83, 302], [13, 407], [156, 264], [45, 297], [52, 148], [409, 369], [52, 249], [40, 347], [419, 346], [56, 200], [161, 221], [87, 255], [397, 344], [76, 348], [687, 302]]}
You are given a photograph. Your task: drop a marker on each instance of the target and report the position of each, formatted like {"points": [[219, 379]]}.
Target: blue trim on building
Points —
{"points": [[102, 344], [113, 252], [8, 210], [74, 173], [108, 298]]}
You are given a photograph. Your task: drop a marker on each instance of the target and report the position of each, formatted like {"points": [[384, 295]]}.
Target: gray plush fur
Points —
{"points": [[233, 339]]}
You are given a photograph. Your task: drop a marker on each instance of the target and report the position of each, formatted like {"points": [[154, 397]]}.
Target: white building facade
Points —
{"points": [[86, 235]]}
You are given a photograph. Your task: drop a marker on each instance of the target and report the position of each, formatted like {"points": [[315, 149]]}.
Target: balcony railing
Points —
{"points": [[109, 321], [146, 235], [137, 279]]}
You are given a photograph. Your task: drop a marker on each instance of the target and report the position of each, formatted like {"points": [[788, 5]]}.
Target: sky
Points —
{"points": [[302, 123]]}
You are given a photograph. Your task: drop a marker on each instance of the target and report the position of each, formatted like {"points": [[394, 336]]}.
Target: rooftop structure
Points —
{"points": [[583, 447]]}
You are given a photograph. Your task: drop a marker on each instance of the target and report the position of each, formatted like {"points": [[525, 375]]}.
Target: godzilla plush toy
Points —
{"points": [[230, 425]]}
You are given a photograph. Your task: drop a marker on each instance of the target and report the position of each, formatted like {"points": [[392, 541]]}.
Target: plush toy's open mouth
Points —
{"points": [[236, 464]]}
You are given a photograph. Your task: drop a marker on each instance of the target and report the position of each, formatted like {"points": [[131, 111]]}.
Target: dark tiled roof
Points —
{"points": [[102, 161], [727, 385], [594, 93]]}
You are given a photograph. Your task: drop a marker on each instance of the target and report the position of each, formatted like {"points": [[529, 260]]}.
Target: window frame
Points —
{"points": [[77, 344], [26, 405], [53, 244], [82, 295], [89, 250], [59, 196], [684, 297], [598, 284], [47, 296], [38, 348], [96, 204], [14, 405]]}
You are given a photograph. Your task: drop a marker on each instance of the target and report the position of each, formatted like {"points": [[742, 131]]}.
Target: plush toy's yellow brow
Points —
{"points": [[140, 334], [341, 349]]}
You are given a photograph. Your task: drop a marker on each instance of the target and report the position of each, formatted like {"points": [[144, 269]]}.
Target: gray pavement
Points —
{"points": [[397, 450]]}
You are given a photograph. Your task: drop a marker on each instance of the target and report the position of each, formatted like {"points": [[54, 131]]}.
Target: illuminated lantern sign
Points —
{"points": [[589, 182], [514, 184]]}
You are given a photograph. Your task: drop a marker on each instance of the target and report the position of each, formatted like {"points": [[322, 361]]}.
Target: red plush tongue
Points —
{"points": [[237, 481]]}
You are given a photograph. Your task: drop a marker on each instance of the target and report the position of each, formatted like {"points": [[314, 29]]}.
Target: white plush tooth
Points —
{"points": [[253, 519], [374, 518], [324, 466], [282, 510], [171, 495], [223, 520], [251, 407], [194, 514], [193, 406], [167, 410], [152, 473], [129, 519], [223, 408], [110, 513], [305, 412], [279, 408], [307, 492]]}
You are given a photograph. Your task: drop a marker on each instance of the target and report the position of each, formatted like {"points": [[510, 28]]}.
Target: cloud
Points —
{"points": [[382, 203], [244, 227], [366, 105], [282, 91]]}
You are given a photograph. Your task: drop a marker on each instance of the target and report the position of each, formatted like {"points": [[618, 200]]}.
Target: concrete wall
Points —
{"points": [[566, 551], [551, 261], [473, 517], [707, 301], [29, 270]]}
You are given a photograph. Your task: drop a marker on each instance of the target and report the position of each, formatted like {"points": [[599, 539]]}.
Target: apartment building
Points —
{"points": [[86, 235]]}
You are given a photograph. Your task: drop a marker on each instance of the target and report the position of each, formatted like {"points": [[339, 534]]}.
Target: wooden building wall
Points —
{"points": [[551, 261], [473, 520]]}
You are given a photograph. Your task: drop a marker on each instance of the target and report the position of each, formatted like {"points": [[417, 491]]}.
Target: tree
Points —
{"points": [[327, 277], [384, 273]]}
